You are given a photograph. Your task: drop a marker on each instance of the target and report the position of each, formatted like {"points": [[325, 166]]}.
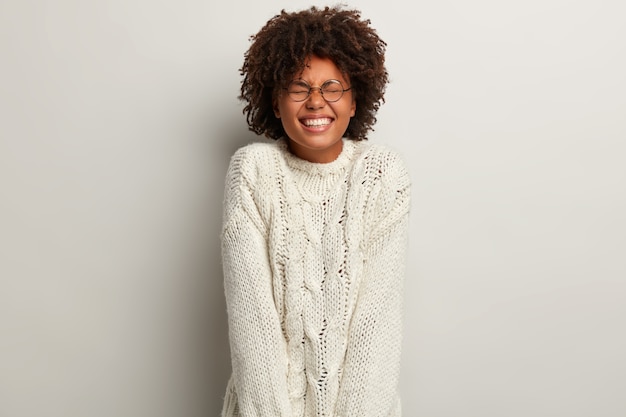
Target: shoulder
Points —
{"points": [[249, 173], [246, 166], [382, 179], [256, 153], [257, 150], [250, 161], [384, 164]]}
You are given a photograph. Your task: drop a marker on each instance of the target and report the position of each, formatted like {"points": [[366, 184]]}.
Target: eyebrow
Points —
{"points": [[323, 82]]}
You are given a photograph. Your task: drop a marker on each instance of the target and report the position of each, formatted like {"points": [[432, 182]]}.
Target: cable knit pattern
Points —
{"points": [[313, 258]]}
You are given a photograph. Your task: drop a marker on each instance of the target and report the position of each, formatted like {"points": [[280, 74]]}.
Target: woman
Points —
{"points": [[315, 226]]}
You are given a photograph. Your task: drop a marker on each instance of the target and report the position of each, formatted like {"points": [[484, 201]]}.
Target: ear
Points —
{"points": [[275, 107], [353, 108]]}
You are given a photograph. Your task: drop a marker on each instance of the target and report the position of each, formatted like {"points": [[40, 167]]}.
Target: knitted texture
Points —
{"points": [[313, 257]]}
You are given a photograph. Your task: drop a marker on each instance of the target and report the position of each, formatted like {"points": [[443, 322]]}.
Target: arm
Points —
{"points": [[258, 347], [370, 377]]}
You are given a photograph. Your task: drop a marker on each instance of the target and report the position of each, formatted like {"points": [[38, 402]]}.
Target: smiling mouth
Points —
{"points": [[323, 121]]}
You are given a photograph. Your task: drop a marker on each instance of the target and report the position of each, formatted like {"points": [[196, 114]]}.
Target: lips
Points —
{"points": [[316, 122]]}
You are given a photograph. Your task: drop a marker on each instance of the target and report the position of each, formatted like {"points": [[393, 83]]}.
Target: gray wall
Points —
{"points": [[118, 118]]}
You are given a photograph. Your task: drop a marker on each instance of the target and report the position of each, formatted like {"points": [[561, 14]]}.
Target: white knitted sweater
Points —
{"points": [[313, 258]]}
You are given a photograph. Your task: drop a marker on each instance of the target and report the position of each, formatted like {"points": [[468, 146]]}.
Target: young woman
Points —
{"points": [[315, 226]]}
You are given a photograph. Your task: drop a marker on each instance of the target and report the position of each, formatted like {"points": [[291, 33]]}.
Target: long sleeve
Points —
{"points": [[371, 369], [258, 348]]}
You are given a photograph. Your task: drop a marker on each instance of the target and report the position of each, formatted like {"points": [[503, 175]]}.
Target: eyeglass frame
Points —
{"points": [[320, 89]]}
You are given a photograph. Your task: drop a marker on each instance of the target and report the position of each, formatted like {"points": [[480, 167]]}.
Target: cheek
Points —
{"points": [[286, 109], [279, 105]]}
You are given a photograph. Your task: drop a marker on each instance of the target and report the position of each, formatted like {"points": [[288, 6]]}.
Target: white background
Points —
{"points": [[118, 118]]}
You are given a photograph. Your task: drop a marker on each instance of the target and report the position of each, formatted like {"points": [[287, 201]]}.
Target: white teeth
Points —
{"points": [[317, 122]]}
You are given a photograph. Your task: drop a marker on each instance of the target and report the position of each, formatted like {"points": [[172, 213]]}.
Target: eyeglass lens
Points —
{"points": [[331, 90]]}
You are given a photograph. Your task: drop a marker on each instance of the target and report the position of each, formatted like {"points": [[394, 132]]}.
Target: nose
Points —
{"points": [[316, 99]]}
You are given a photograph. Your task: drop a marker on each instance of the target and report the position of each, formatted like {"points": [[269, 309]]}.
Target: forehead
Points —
{"points": [[318, 70]]}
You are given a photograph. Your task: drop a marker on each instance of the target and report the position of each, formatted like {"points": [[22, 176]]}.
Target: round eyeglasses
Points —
{"points": [[331, 90]]}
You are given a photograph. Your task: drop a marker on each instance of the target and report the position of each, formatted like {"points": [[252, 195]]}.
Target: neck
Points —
{"points": [[317, 155]]}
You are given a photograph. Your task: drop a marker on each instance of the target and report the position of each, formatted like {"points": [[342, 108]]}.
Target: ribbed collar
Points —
{"points": [[316, 168]]}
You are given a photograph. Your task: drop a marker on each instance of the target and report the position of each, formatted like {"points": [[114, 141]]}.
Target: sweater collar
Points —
{"points": [[316, 168]]}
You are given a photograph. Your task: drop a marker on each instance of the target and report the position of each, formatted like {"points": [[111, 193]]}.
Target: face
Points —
{"points": [[314, 126]]}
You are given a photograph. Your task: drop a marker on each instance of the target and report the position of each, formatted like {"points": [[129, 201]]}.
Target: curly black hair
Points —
{"points": [[281, 48]]}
